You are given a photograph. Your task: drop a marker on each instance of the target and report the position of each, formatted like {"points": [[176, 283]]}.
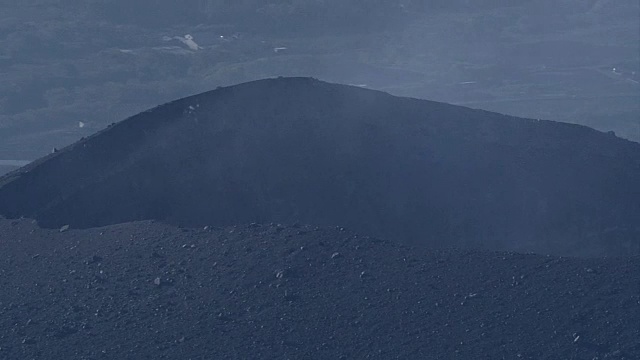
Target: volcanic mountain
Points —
{"points": [[299, 150]]}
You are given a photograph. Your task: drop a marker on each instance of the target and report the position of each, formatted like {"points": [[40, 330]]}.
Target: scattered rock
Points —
{"points": [[305, 297]]}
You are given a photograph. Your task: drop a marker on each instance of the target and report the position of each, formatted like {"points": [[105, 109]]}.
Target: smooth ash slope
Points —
{"points": [[300, 150]]}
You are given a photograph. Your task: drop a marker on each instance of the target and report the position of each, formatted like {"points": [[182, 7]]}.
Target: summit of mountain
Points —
{"points": [[299, 150]]}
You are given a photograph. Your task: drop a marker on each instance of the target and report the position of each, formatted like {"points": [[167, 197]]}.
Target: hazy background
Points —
{"points": [[71, 67]]}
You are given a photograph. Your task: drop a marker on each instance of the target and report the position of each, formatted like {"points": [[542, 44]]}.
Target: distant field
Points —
{"points": [[14, 162], [5, 169], [10, 165]]}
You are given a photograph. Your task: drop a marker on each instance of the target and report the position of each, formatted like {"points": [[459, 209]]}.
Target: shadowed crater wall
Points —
{"points": [[301, 150]]}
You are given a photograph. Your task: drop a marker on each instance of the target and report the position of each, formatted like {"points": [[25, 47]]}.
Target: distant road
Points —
{"points": [[14, 162]]}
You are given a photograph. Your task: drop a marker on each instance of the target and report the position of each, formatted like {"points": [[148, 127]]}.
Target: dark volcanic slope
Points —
{"points": [[301, 150], [152, 291]]}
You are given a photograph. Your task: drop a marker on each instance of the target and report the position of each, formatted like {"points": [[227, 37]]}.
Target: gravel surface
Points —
{"points": [[146, 290]]}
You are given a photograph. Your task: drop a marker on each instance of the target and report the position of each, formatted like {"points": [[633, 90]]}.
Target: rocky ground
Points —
{"points": [[147, 290]]}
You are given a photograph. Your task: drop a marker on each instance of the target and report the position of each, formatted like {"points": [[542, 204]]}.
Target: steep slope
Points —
{"points": [[301, 150], [152, 291]]}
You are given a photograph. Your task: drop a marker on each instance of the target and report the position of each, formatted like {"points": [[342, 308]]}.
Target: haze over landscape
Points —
{"points": [[94, 62], [320, 179]]}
